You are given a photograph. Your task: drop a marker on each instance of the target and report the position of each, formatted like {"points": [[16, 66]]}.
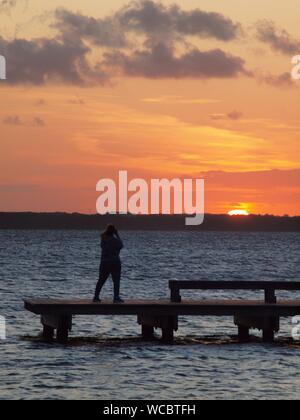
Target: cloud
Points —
{"points": [[149, 18], [7, 5], [161, 62], [278, 81], [101, 32], [38, 122], [141, 39], [76, 101], [233, 115], [278, 39], [18, 188], [48, 60], [263, 179], [153, 18], [16, 121], [179, 100], [13, 120], [40, 102]]}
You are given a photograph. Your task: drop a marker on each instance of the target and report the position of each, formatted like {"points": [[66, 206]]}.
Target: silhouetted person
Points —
{"points": [[111, 245]]}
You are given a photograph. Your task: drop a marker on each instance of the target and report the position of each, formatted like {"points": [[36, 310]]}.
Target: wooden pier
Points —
{"points": [[263, 315]]}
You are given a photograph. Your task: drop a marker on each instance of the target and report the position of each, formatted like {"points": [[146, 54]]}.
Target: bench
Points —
{"points": [[269, 287], [268, 324]]}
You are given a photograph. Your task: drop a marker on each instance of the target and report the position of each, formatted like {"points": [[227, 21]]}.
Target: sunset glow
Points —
{"points": [[238, 213], [141, 99]]}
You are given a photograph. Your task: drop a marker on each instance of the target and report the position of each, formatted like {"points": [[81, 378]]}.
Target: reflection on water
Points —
{"points": [[106, 358]]}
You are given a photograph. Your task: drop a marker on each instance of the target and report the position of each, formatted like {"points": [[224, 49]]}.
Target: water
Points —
{"points": [[65, 264]]}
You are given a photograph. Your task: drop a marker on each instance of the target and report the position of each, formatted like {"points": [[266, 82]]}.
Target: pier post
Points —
{"points": [[167, 335], [175, 295], [64, 325], [147, 332], [270, 296], [169, 324], [61, 323], [268, 336], [48, 332], [269, 325], [244, 335]]}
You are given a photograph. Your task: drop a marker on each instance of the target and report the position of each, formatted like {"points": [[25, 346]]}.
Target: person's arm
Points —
{"points": [[118, 237], [103, 241]]}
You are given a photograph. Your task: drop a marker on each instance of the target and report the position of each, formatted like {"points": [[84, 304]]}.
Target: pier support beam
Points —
{"points": [[147, 332], [48, 333], [268, 336], [61, 323], [63, 328], [168, 325], [244, 336], [168, 333], [269, 325]]}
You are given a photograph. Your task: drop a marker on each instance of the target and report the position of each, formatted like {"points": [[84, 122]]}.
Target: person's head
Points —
{"points": [[109, 231]]}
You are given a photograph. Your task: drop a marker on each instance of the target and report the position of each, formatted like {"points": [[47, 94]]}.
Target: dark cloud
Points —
{"points": [[278, 39], [140, 39], [44, 60], [102, 32], [161, 62], [152, 17], [148, 18], [279, 81]]}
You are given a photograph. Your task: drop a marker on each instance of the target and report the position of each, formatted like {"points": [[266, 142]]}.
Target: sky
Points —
{"points": [[188, 89]]}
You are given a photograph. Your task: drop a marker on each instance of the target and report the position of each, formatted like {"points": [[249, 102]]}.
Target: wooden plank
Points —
{"points": [[234, 285], [163, 307]]}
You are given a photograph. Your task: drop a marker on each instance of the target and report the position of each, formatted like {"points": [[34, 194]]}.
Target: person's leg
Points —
{"points": [[116, 276], [104, 272]]}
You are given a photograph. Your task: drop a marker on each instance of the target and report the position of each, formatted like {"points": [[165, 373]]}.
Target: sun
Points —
{"points": [[238, 213]]}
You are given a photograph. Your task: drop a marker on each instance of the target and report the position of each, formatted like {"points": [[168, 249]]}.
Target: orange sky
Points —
{"points": [[241, 133]]}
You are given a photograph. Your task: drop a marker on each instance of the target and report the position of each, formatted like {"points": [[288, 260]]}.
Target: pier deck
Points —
{"points": [[57, 314]]}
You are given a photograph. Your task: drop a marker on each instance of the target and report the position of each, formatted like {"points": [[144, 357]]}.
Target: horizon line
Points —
{"points": [[143, 215]]}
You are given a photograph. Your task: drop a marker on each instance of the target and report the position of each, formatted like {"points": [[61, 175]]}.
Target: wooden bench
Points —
{"points": [[269, 287], [269, 324]]}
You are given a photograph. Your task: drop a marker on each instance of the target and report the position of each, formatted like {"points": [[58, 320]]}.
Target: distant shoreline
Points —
{"points": [[76, 221]]}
